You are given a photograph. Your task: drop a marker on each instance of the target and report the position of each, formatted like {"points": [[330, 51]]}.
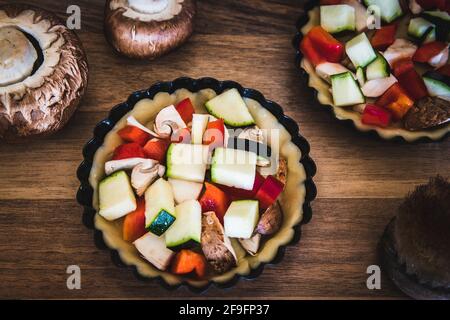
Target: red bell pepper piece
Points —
{"points": [[214, 134], [134, 223], [156, 149], [413, 84], [325, 44], [134, 134], [310, 53], [182, 135], [241, 194], [214, 199], [445, 70], [396, 100], [376, 116], [402, 66], [186, 110], [128, 150], [269, 192], [384, 37], [428, 51], [187, 261]]}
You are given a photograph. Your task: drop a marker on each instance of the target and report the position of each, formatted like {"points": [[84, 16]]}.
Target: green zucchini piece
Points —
{"points": [[345, 89], [379, 68], [389, 9], [360, 51], [337, 18]]}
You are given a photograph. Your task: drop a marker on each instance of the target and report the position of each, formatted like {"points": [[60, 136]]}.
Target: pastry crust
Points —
{"points": [[43, 102], [134, 36]]}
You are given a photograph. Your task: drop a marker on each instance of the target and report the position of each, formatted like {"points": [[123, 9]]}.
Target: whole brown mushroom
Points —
{"points": [[43, 72], [147, 29]]}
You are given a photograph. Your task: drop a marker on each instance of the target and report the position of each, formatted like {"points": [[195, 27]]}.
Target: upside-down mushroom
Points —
{"points": [[147, 29], [127, 164], [43, 72], [168, 121]]}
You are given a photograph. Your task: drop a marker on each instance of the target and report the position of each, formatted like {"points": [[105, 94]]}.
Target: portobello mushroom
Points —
{"points": [[216, 245], [43, 72], [147, 29]]}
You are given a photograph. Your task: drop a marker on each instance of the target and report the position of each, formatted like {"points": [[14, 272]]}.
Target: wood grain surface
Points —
{"points": [[361, 178]]}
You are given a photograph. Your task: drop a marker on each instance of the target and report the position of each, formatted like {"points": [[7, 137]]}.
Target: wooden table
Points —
{"points": [[361, 179]]}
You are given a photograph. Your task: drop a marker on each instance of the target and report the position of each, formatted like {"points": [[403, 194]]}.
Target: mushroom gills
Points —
{"points": [[148, 6], [17, 56]]}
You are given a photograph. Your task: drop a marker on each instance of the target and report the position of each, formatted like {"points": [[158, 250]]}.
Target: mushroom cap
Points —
{"points": [[136, 35], [422, 233], [43, 102]]}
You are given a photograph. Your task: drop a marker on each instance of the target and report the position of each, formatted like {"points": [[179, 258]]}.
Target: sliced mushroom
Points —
{"points": [[216, 246], [144, 174], [440, 59], [281, 174], [146, 29], [127, 164], [270, 221], [43, 72], [427, 113], [168, 121], [251, 245]]}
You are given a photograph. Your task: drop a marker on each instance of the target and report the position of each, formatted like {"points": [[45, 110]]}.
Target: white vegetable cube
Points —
{"points": [[116, 196], [241, 218], [234, 168], [337, 18], [159, 207], [199, 124], [187, 161], [360, 51]]}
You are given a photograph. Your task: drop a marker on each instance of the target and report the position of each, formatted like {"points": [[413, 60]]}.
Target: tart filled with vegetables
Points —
{"points": [[382, 64], [197, 186]]}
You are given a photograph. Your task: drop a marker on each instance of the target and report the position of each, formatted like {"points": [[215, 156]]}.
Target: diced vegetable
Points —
{"points": [[389, 10], [438, 85], [159, 207], [413, 84], [415, 7], [360, 51], [310, 53], [214, 199], [186, 109], [376, 116], [325, 44], [187, 261], [241, 218], [134, 134], [440, 59], [187, 161], [384, 37], [346, 91], [230, 107], [214, 134], [154, 250], [442, 21], [187, 227], [403, 66], [337, 18], [199, 124], [361, 76], [360, 14], [156, 149], [128, 150], [185, 190], [134, 223], [116, 197], [375, 88], [396, 100], [233, 168], [241, 194], [399, 50], [419, 28], [379, 68], [327, 69], [429, 50], [269, 191]]}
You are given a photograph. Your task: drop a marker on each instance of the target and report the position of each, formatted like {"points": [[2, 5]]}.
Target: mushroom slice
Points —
{"points": [[143, 175], [146, 29], [216, 245], [127, 164], [270, 221], [251, 245], [427, 113], [282, 171], [168, 121], [43, 72], [131, 121]]}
